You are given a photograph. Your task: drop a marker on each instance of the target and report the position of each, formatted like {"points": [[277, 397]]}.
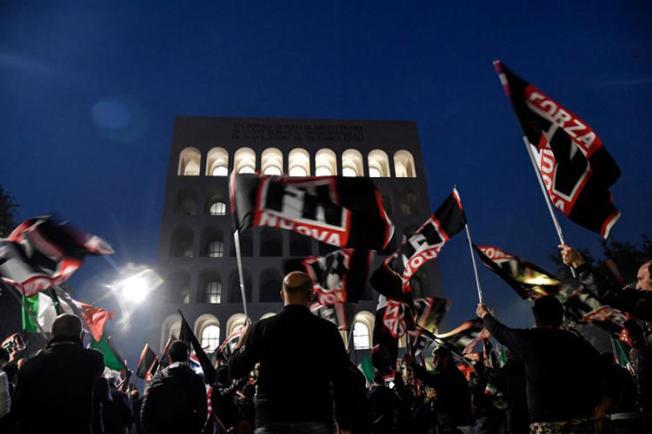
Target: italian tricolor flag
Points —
{"points": [[42, 309]]}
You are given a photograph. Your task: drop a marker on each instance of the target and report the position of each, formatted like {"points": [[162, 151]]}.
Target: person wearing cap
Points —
{"points": [[55, 388], [302, 361], [453, 395], [563, 372]]}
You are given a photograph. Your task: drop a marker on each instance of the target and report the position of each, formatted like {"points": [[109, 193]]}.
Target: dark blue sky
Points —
{"points": [[89, 92]]}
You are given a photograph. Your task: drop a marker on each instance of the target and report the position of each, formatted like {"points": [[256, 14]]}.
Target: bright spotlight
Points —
{"points": [[136, 287]]}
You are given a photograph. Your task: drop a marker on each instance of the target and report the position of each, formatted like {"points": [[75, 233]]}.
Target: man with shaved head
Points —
{"points": [[303, 366], [55, 388]]}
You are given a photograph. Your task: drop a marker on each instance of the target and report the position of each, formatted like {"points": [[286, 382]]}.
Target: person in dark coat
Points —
{"points": [[563, 371], [453, 395], [175, 401], [55, 388], [382, 406], [303, 366], [136, 405], [116, 412]]}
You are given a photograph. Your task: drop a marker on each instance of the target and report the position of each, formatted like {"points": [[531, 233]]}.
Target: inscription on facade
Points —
{"points": [[290, 132]]}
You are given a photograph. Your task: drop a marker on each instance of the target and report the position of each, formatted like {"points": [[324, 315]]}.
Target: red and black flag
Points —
{"points": [[576, 169], [186, 334], [392, 278], [147, 363], [334, 313], [341, 211], [41, 253], [528, 280], [226, 348], [389, 326], [340, 276], [461, 336], [430, 312], [580, 306]]}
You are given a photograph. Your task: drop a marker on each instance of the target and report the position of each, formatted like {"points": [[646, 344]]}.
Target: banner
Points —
{"points": [[341, 211], [147, 361], [186, 334], [576, 168], [340, 276]]}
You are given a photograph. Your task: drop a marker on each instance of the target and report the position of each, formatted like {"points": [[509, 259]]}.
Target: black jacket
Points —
{"points": [[563, 371], [302, 358], [55, 388], [175, 402], [453, 393]]}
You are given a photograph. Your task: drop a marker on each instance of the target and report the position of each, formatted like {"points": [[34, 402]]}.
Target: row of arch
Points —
{"points": [[272, 162], [208, 329], [211, 289]]}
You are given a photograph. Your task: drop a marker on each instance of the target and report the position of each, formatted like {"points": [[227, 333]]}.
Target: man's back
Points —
{"points": [[563, 371], [175, 401], [55, 388], [300, 355]]}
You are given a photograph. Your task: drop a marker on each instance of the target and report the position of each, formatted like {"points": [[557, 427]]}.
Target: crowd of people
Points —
{"points": [[278, 381]]}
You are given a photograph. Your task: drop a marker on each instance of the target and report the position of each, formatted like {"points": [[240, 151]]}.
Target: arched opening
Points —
{"points": [[210, 287], [185, 296], [325, 163], [244, 161], [299, 162], [236, 320], [170, 328], [216, 203], [378, 163], [235, 295], [217, 207], [177, 286], [404, 165], [270, 285], [189, 162], [362, 326], [300, 245], [212, 243], [182, 243], [352, 163], [271, 242], [207, 328], [272, 162], [217, 162], [186, 203]]}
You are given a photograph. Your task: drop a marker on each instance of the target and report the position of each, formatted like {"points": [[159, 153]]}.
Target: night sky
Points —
{"points": [[89, 92]]}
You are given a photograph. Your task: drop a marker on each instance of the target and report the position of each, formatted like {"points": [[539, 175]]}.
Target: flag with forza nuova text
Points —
{"points": [[41, 252], [340, 276], [392, 278], [459, 338], [575, 167], [389, 326], [528, 280], [341, 211]]}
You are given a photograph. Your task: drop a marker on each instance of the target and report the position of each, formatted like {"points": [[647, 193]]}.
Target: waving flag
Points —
{"points": [[41, 253], [461, 336], [340, 276], [392, 278], [576, 168], [341, 211], [528, 280], [147, 363], [227, 347], [197, 355], [388, 327]]}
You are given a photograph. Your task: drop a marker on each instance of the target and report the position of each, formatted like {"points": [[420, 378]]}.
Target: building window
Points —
{"points": [[217, 208], [182, 243], [404, 165], [213, 294], [189, 162], [215, 249], [272, 162], [185, 296], [210, 338], [378, 164], [361, 336], [217, 162], [299, 162], [186, 203], [325, 163], [245, 161], [352, 163]]}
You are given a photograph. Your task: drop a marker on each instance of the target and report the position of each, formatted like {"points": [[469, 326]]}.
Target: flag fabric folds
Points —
{"points": [[147, 363], [41, 253], [41, 310], [576, 168], [340, 276], [341, 211], [528, 280], [186, 334], [112, 359], [392, 278], [461, 336]]}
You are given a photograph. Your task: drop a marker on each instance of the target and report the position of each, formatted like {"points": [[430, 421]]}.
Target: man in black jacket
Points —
{"points": [[563, 371], [302, 359], [55, 388], [175, 402]]}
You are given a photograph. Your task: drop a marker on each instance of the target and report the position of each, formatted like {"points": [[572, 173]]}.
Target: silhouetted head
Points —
{"points": [[178, 352], [548, 312], [442, 357], [297, 288], [379, 378], [644, 277], [66, 325]]}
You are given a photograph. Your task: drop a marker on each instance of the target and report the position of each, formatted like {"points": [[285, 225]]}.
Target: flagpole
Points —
{"points": [[475, 267], [555, 222], [238, 258], [27, 309]]}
